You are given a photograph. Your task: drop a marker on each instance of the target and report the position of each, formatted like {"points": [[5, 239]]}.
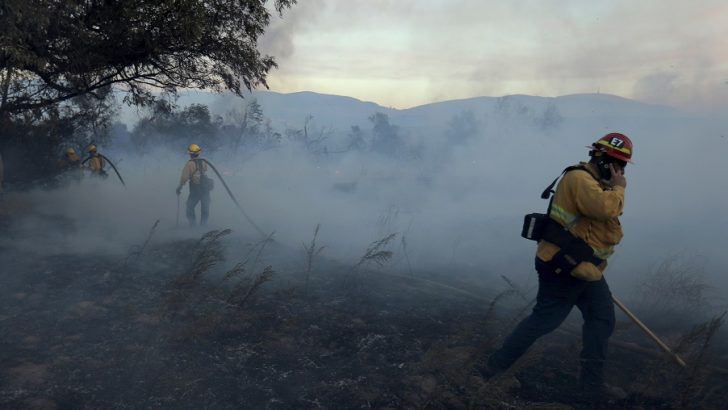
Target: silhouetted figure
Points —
{"points": [[194, 173]]}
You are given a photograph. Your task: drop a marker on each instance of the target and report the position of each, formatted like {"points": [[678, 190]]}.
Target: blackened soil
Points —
{"points": [[102, 331]]}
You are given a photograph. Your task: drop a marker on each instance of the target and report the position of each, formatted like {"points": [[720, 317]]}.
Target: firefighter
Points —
{"points": [[70, 161], [582, 230], [200, 185], [96, 161]]}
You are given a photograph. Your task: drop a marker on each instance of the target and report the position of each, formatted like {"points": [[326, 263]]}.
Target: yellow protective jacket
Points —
{"points": [[69, 161], [189, 170], [96, 164], [590, 210]]}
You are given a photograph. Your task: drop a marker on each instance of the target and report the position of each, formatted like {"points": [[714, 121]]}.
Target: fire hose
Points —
{"points": [[112, 166], [649, 333], [245, 214]]}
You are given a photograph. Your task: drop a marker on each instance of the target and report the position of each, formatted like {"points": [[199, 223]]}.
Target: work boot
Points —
{"points": [[489, 369]]}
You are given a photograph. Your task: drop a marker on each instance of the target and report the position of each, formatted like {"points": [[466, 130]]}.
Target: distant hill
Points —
{"points": [[575, 105], [341, 112]]}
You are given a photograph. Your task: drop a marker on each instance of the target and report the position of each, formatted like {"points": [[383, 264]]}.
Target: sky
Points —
{"points": [[405, 53]]}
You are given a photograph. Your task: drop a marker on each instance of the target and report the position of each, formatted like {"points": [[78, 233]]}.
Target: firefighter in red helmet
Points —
{"points": [[582, 229]]}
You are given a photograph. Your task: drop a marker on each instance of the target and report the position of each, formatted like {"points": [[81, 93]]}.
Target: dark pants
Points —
{"points": [[203, 197], [557, 295]]}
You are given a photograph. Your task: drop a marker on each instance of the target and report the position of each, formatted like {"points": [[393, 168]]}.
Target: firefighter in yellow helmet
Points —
{"points": [[70, 160], [95, 162], [200, 185], [579, 235]]}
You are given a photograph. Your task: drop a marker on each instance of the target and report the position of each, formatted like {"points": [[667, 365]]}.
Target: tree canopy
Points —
{"points": [[52, 51]]}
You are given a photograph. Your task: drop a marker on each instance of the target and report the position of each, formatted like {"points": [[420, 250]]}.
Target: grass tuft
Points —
{"points": [[376, 253], [311, 251]]}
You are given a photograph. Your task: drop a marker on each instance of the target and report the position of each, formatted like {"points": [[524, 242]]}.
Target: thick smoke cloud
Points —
{"points": [[456, 204]]}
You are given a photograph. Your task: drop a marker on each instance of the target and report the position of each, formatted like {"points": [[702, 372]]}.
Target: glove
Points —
{"points": [[587, 271], [179, 190]]}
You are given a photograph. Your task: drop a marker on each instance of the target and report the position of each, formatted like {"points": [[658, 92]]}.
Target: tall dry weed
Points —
{"points": [[675, 288], [208, 252], [205, 306], [311, 250], [688, 387], [376, 253]]}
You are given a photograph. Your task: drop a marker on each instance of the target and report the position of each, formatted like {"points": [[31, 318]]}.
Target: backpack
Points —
{"points": [[534, 224], [199, 178]]}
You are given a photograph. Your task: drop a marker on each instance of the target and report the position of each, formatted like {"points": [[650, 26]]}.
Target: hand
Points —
{"points": [[617, 176], [179, 190]]}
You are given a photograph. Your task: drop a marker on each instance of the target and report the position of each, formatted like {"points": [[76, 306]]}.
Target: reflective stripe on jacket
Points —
{"points": [[590, 210]]}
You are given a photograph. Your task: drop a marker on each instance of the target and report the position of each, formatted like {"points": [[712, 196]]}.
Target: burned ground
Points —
{"points": [[220, 323]]}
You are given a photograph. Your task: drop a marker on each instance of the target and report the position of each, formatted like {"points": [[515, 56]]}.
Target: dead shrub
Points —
{"points": [[688, 387], [201, 306], [675, 289]]}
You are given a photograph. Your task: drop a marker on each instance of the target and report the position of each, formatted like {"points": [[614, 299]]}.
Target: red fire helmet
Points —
{"points": [[615, 145]]}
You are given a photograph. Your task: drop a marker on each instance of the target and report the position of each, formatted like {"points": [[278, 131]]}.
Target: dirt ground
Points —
{"points": [[177, 324]]}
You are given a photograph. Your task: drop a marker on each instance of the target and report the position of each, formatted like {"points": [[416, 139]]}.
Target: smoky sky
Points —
{"points": [[437, 50]]}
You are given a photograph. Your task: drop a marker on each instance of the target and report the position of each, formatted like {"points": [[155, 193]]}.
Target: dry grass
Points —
{"points": [[684, 387], [375, 252], [675, 288], [406, 255], [520, 292], [209, 252], [246, 288], [311, 250], [201, 307], [695, 345], [261, 245], [186, 291], [448, 367]]}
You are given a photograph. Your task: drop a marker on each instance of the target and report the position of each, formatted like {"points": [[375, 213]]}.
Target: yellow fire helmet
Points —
{"points": [[70, 151], [91, 148], [194, 149]]}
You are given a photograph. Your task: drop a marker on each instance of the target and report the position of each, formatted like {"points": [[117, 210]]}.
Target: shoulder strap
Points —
{"points": [[550, 189], [198, 167]]}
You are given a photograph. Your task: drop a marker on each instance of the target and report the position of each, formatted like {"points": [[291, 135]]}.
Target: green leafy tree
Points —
{"points": [[32, 143], [166, 125], [52, 51], [61, 60]]}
